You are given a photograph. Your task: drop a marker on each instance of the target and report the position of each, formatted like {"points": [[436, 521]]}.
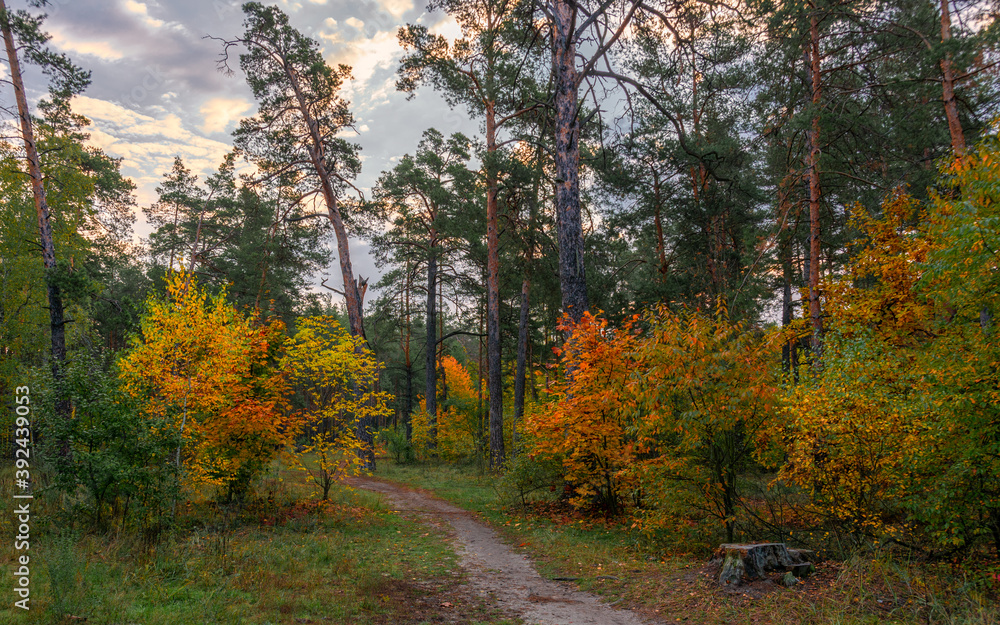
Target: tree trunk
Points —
{"points": [[443, 395], [948, 85], [479, 382], [572, 279], [408, 419], [785, 240], [430, 389], [407, 333], [493, 297], [57, 322], [522, 357], [812, 166], [661, 248], [786, 309], [354, 291]]}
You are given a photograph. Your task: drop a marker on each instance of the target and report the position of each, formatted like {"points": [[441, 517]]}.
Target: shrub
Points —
{"points": [[117, 465]]}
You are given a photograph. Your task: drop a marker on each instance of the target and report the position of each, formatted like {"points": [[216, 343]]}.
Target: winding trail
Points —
{"points": [[499, 573]]}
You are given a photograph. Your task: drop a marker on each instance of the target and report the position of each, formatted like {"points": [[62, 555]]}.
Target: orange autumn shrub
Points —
{"points": [[662, 418], [208, 370], [589, 428], [457, 421]]}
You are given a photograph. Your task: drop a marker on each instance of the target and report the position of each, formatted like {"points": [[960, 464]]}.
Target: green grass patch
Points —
{"points": [[281, 558]]}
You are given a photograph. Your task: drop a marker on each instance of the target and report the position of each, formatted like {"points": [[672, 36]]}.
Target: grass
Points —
{"points": [[629, 570], [287, 558], [283, 559]]}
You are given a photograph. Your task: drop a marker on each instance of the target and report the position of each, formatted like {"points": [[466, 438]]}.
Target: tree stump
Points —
{"points": [[749, 562]]}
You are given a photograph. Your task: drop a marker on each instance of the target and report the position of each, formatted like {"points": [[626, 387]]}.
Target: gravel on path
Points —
{"points": [[498, 572]]}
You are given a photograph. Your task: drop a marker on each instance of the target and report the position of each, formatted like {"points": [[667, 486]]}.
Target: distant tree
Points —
{"points": [[178, 200], [491, 69], [244, 237], [422, 197]]}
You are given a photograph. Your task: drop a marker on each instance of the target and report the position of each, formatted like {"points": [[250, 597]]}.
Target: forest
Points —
{"points": [[709, 272]]}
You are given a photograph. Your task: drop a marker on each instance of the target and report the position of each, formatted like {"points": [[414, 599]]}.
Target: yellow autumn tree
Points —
{"points": [[336, 375], [207, 370], [854, 427], [960, 498], [457, 420]]}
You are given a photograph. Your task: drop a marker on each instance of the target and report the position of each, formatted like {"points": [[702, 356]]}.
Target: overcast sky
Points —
{"points": [[156, 92]]}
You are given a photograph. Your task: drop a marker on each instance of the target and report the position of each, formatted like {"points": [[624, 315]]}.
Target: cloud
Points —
{"points": [[101, 49], [397, 7], [156, 92], [221, 112], [148, 144], [365, 57], [140, 9], [447, 28]]}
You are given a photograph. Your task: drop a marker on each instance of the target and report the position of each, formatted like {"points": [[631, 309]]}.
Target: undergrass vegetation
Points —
{"points": [[282, 557], [631, 569]]}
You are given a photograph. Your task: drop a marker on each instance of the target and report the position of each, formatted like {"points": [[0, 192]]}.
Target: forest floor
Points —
{"points": [[495, 571], [429, 544], [533, 562], [285, 558]]}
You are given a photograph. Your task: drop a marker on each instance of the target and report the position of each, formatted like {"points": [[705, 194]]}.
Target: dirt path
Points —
{"points": [[497, 572]]}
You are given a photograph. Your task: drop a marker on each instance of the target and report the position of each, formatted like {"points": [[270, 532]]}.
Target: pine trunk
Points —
{"points": [[661, 248], [407, 334], [493, 298], [569, 220], [430, 388], [57, 322], [948, 86], [522, 360], [812, 166]]}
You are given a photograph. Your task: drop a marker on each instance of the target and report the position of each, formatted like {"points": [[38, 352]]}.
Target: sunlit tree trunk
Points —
{"points": [[57, 320], [948, 85]]}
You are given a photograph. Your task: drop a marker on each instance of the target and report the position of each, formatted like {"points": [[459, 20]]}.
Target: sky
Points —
{"points": [[156, 92]]}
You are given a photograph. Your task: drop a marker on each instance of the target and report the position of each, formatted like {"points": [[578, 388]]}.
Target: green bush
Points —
{"points": [[396, 444], [527, 479], [111, 462]]}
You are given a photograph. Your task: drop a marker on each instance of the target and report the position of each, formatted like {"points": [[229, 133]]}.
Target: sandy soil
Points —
{"points": [[497, 572]]}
